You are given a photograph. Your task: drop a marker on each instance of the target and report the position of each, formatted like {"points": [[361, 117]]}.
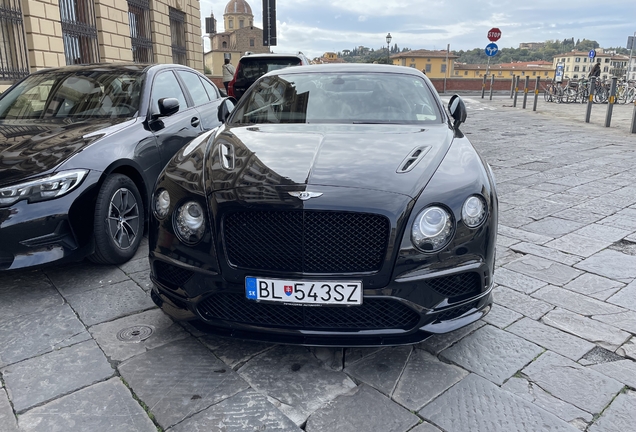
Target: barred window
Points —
{"points": [[13, 50], [139, 19], [178, 36], [79, 32]]}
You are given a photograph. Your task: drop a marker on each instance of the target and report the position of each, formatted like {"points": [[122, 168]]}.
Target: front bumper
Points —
{"points": [[403, 312]]}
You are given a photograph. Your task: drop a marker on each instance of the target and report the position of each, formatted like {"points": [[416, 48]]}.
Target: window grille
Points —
{"points": [[177, 32], [79, 32], [139, 19], [13, 49]]}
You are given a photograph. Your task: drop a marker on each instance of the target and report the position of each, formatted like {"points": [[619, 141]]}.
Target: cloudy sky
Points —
{"points": [[317, 26]]}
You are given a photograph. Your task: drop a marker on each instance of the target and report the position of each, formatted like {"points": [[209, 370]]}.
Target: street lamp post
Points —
{"points": [[388, 50]]}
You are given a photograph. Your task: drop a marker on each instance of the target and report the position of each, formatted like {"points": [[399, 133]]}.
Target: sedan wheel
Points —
{"points": [[119, 222]]}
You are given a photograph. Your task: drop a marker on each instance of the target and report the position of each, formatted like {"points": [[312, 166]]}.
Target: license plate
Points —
{"points": [[304, 292]]}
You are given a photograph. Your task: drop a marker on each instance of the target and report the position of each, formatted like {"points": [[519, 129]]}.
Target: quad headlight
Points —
{"points": [[42, 189], [474, 211], [432, 229], [162, 203], [189, 222]]}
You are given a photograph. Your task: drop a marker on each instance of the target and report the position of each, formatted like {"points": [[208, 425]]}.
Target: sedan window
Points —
{"points": [[194, 86], [339, 98], [167, 86], [213, 93]]}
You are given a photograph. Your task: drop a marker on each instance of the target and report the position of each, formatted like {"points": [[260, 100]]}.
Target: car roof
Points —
{"points": [[252, 55], [123, 67], [348, 68]]}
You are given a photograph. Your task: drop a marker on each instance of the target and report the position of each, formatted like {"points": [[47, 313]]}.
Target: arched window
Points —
{"points": [[224, 44]]}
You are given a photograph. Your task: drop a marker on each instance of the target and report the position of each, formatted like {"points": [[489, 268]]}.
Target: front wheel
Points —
{"points": [[119, 221]]}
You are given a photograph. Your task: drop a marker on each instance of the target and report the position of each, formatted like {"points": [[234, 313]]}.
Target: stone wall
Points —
{"points": [[43, 34], [113, 31]]}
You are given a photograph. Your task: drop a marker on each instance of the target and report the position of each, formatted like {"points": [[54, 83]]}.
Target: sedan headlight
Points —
{"points": [[162, 203], [42, 189], [190, 222], [474, 211], [432, 229]]}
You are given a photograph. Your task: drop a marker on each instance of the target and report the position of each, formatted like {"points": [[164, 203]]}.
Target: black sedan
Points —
{"points": [[80, 150], [337, 205]]}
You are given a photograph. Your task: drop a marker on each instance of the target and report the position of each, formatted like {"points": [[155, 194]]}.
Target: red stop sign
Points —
{"points": [[494, 34]]}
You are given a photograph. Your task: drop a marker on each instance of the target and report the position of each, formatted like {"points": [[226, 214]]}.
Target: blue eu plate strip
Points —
{"points": [[250, 288]]}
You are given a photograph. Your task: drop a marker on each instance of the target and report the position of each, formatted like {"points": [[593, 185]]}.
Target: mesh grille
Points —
{"points": [[373, 314], [171, 276], [306, 241], [457, 285]]}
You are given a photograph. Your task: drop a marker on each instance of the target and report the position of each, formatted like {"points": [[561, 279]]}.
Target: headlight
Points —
{"points": [[190, 222], [432, 229], [42, 189], [162, 203], [474, 211]]}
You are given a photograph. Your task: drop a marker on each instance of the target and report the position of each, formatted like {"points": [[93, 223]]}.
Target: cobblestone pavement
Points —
{"points": [[82, 347]]}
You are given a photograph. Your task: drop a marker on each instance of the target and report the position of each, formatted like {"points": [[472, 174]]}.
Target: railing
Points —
{"points": [[139, 18], [177, 32], [79, 32], [13, 49]]}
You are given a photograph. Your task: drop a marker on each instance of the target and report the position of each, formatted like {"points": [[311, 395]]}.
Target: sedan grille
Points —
{"points": [[306, 241], [171, 276], [373, 314], [456, 285]]}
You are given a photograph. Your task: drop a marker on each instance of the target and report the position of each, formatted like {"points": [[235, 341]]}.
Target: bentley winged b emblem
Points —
{"points": [[305, 195]]}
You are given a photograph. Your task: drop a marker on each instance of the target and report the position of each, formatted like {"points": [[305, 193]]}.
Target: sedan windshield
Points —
{"points": [[339, 98], [84, 94]]}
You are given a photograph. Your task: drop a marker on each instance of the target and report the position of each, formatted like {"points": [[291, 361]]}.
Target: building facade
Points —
{"points": [[436, 64], [239, 36], [577, 64], [541, 69], [38, 34]]}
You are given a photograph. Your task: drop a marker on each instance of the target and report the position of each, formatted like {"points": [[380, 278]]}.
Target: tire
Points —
{"points": [[119, 221]]}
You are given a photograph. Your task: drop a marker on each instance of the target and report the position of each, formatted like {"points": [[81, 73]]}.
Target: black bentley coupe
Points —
{"points": [[80, 150], [337, 205]]}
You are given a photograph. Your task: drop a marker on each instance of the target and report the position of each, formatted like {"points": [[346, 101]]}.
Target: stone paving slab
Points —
{"points": [[623, 320], [492, 353], [521, 303], [578, 245], [501, 317], [574, 302], [78, 278], [439, 342], [531, 392], [382, 369], [234, 352], [622, 370], [484, 407], [595, 286], [245, 411], [626, 297], [518, 281], [620, 416], [425, 427], [7, 418], [40, 379], [107, 406], [546, 252], [179, 379], [628, 349], [296, 380], [101, 305], [603, 232], [424, 378], [548, 271], [16, 301], [583, 387], [27, 336], [361, 409], [553, 226], [132, 329], [610, 264], [550, 338], [603, 335]]}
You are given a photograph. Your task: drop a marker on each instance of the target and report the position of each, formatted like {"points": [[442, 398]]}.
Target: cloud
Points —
{"points": [[362, 18]]}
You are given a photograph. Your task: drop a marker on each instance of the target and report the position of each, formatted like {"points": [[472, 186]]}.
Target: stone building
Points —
{"points": [[38, 34], [577, 64], [240, 35], [436, 64]]}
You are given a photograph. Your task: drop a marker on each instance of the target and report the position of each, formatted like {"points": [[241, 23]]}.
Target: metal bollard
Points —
{"points": [[492, 84], [536, 93], [634, 120], [590, 101], [512, 86], [483, 86], [525, 91], [514, 101], [610, 103]]}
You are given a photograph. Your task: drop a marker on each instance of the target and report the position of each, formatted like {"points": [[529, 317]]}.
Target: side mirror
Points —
{"points": [[225, 109], [457, 110], [168, 106]]}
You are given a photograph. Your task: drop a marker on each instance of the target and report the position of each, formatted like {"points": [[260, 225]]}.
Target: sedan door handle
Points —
{"points": [[195, 121]]}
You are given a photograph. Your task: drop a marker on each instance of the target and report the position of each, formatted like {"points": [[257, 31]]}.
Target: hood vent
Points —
{"points": [[412, 159]]}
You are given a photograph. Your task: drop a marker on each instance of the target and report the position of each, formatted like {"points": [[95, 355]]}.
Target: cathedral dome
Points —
{"points": [[238, 7]]}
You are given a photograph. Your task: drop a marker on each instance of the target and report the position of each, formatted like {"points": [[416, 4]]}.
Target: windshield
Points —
{"points": [[254, 68], [339, 98], [89, 94]]}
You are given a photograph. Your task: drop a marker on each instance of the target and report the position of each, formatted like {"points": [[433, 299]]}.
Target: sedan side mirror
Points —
{"points": [[225, 109], [168, 106], [457, 110]]}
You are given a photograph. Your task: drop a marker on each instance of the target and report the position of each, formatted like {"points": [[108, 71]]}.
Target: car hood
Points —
{"points": [[28, 149], [390, 158]]}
